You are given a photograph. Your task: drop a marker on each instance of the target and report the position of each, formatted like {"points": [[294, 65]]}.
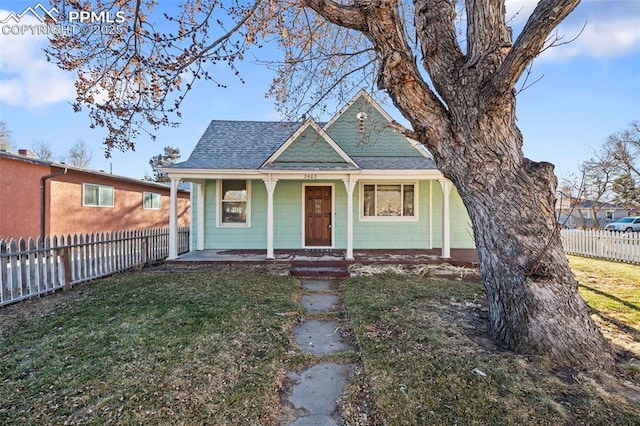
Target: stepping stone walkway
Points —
{"points": [[315, 390]]}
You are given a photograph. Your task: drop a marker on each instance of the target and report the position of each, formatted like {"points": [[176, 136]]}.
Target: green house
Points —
{"points": [[352, 183]]}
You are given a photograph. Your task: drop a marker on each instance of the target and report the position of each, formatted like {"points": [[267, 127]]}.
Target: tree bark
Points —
{"points": [[469, 126], [534, 305]]}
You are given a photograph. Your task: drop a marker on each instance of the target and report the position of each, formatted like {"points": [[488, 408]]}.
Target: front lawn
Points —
{"points": [[160, 347], [427, 361], [151, 348]]}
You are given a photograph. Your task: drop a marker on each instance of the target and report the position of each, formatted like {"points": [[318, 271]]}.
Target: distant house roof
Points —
{"points": [[587, 204], [44, 163]]}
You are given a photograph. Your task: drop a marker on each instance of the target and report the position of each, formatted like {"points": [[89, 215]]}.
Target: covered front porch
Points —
{"points": [[435, 227], [458, 257]]}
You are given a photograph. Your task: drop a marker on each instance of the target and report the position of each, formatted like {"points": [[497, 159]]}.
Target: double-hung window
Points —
{"points": [[97, 195], [151, 201], [234, 204], [388, 200]]}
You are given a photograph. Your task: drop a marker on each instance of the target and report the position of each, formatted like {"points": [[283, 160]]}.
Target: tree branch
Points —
{"points": [[441, 54], [347, 16], [486, 28], [381, 22], [546, 16]]}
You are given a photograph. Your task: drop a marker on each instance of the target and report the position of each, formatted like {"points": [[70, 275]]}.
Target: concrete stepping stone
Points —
{"points": [[320, 285], [321, 337], [321, 302], [316, 391]]}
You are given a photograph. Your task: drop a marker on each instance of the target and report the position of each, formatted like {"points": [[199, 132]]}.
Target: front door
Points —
{"points": [[317, 213]]}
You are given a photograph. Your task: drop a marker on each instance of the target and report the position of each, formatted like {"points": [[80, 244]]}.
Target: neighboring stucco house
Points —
{"points": [[48, 198], [352, 183]]}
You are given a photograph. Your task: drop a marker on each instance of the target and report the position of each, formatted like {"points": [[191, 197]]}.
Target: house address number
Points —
{"points": [[307, 177]]}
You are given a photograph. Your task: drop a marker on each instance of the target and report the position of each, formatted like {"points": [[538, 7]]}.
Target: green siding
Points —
{"points": [[376, 140], [460, 225], [288, 217], [461, 231], [254, 237], [310, 148]]}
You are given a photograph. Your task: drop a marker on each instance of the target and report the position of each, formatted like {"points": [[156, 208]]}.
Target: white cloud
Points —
{"points": [[612, 28], [26, 78], [518, 11], [604, 39]]}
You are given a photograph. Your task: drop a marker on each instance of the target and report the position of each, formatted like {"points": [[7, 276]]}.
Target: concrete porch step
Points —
{"points": [[319, 269]]}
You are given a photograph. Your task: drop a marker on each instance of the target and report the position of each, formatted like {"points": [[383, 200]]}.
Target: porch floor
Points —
{"points": [[459, 257]]}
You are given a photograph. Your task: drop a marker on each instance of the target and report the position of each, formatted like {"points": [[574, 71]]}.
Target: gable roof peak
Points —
{"points": [[367, 99], [309, 122]]}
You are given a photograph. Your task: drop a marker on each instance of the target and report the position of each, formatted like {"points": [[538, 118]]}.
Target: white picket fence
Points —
{"points": [[611, 245], [33, 268]]}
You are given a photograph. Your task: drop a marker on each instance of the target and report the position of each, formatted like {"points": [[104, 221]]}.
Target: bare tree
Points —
{"points": [[609, 177], [625, 146], [42, 150], [457, 93], [79, 155], [598, 175], [5, 138]]}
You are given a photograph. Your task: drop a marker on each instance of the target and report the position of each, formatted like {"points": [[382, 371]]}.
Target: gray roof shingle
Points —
{"points": [[238, 144], [246, 145]]}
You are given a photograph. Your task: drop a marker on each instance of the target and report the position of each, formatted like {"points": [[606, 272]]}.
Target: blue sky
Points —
{"points": [[589, 89]]}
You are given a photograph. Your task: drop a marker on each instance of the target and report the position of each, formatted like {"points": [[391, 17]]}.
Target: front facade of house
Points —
{"points": [[48, 198], [352, 183]]}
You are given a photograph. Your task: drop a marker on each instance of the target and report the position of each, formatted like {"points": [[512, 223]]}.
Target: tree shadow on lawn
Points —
{"points": [[612, 297]]}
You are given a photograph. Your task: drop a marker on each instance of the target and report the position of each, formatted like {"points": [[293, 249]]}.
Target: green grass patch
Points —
{"points": [[610, 288], [427, 360], [172, 348], [155, 347]]}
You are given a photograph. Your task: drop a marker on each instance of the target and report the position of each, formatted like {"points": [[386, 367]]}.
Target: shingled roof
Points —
{"points": [[237, 144], [246, 145], [360, 136]]}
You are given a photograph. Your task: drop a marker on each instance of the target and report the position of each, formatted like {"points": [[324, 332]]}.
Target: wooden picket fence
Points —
{"points": [[33, 268], [611, 245]]}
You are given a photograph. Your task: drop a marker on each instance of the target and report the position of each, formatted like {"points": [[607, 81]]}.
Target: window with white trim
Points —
{"points": [[234, 203], [388, 200], [97, 195], [151, 201]]}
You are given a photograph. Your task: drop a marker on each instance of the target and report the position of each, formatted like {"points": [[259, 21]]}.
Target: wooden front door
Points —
{"points": [[317, 212]]}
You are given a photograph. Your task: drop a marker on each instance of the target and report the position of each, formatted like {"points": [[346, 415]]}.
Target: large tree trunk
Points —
{"points": [[533, 299], [469, 126]]}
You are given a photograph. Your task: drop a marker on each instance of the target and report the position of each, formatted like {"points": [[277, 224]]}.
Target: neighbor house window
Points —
{"points": [[234, 203], [97, 195], [388, 200], [151, 201]]}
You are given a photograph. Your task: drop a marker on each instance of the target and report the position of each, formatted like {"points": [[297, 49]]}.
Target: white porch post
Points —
{"points": [[173, 219], [270, 183], [446, 221], [349, 184], [200, 214]]}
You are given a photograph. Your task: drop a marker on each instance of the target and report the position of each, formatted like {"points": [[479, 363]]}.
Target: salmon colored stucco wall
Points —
{"points": [[64, 212], [20, 198], [69, 216]]}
